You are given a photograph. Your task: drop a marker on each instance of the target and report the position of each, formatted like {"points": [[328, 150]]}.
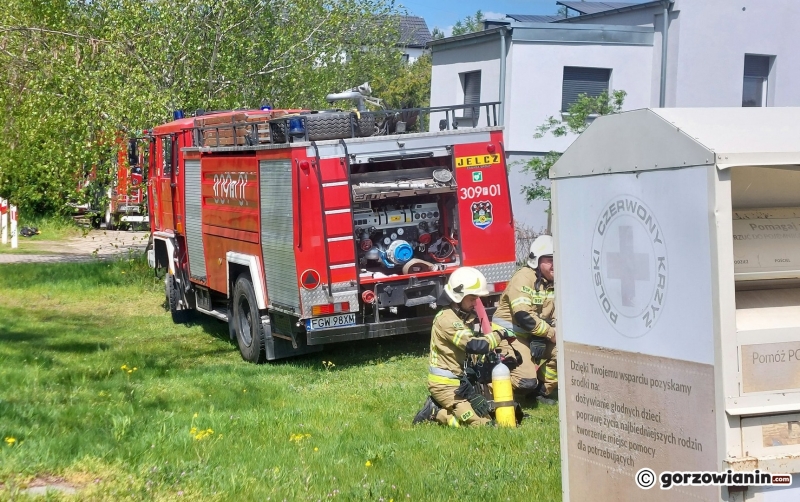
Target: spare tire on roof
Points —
{"points": [[325, 125]]}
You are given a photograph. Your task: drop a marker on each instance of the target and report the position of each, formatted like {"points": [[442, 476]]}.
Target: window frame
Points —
{"points": [[565, 102]]}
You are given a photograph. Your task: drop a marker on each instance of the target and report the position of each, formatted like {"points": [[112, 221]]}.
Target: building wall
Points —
{"points": [[413, 53], [446, 86], [714, 37], [537, 76], [707, 43]]}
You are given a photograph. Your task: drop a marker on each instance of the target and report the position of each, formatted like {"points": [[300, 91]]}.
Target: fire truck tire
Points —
{"points": [[247, 321], [322, 126], [179, 316]]}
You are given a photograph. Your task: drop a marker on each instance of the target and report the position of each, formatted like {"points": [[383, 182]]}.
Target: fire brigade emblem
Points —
{"points": [[482, 214], [629, 267]]}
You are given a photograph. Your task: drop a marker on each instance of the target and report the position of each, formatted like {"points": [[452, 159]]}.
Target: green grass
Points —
{"points": [[69, 331], [51, 228]]}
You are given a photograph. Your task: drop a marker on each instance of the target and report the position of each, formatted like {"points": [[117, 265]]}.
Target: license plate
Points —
{"points": [[334, 321]]}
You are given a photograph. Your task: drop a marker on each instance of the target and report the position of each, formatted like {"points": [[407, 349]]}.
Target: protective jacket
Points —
{"points": [[452, 338], [527, 306]]}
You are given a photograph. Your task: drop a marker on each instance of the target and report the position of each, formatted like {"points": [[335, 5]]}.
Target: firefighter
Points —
{"points": [[527, 309], [453, 400]]}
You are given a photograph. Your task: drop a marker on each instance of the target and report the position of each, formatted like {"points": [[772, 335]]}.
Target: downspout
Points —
{"points": [[664, 43], [502, 76]]}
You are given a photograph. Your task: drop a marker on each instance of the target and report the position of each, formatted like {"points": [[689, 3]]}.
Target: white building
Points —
{"points": [[414, 37], [719, 53]]}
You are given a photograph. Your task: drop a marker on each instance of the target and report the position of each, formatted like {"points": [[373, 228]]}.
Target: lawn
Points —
{"points": [[100, 390], [52, 228]]}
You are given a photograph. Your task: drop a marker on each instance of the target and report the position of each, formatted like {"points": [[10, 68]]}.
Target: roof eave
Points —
{"points": [[468, 36], [583, 17]]}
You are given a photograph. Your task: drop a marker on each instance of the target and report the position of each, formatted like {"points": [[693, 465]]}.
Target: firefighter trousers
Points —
{"points": [[455, 411], [523, 377], [548, 372]]}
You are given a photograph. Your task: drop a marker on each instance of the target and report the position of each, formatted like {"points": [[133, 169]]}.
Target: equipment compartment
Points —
{"points": [[405, 236]]}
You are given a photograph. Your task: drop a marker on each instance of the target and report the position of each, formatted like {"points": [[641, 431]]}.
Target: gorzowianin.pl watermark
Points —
{"points": [[646, 478]]}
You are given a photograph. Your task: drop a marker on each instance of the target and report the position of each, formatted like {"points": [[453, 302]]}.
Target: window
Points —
{"points": [[405, 58], [471, 82], [166, 156], [756, 73], [590, 81]]}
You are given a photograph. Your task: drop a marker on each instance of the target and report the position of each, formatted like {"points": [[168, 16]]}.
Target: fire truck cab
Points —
{"points": [[303, 228]]}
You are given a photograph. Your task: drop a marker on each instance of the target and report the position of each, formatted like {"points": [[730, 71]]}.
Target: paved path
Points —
{"points": [[96, 244]]}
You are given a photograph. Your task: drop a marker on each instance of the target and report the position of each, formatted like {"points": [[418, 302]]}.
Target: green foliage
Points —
{"points": [[437, 33], [574, 121], [469, 24], [407, 87], [113, 397], [75, 74]]}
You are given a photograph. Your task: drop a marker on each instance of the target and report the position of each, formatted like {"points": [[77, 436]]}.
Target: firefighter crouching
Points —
{"points": [[527, 309], [453, 400]]}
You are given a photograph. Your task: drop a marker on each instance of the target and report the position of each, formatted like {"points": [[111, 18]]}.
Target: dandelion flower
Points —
{"points": [[316, 449], [368, 463], [10, 441]]}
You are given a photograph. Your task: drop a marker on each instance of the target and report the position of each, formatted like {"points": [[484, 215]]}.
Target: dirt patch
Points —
{"points": [[96, 244], [42, 485]]}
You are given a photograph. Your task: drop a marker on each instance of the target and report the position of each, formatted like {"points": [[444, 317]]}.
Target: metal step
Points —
{"points": [[219, 313]]}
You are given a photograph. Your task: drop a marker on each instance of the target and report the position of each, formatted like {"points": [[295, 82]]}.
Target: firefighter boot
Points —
{"points": [[428, 411], [543, 398]]}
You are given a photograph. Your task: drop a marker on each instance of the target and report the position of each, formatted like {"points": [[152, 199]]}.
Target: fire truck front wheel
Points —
{"points": [[179, 315], [247, 321]]}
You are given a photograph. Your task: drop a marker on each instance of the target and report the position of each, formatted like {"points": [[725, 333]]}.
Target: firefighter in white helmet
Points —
{"points": [[453, 400], [527, 310]]}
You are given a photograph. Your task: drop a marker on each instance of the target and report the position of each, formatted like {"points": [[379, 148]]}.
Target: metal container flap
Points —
{"points": [[632, 141], [669, 138]]}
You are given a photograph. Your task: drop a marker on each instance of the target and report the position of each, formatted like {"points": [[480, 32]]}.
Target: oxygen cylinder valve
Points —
{"points": [[503, 395]]}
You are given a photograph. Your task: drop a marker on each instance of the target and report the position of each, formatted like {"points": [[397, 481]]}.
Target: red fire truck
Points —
{"points": [[127, 204], [303, 228], [118, 198]]}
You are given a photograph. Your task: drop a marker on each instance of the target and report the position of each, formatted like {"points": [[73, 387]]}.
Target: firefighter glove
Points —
{"points": [[538, 346], [480, 405], [466, 390], [471, 374], [505, 334]]}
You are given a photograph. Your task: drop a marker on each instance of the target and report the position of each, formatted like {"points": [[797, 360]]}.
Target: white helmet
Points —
{"points": [[466, 281], [541, 246]]}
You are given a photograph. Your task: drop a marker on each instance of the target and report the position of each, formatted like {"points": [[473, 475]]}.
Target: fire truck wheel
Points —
{"points": [[247, 321], [173, 300]]}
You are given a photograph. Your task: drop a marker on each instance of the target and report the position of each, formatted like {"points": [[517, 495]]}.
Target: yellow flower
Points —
{"points": [[135, 368], [298, 437], [244, 390], [316, 449], [123, 367], [130, 371], [368, 463], [123, 272], [199, 436], [10, 441], [195, 415]]}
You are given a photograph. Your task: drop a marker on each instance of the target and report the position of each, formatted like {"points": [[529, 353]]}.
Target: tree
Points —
{"points": [[437, 33], [75, 73], [575, 121], [470, 24], [409, 87]]}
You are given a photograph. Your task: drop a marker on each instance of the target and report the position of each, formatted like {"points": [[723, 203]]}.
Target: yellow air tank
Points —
{"points": [[503, 396]]}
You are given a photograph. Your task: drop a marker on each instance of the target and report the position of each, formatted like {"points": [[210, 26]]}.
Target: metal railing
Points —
{"points": [[390, 121]]}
